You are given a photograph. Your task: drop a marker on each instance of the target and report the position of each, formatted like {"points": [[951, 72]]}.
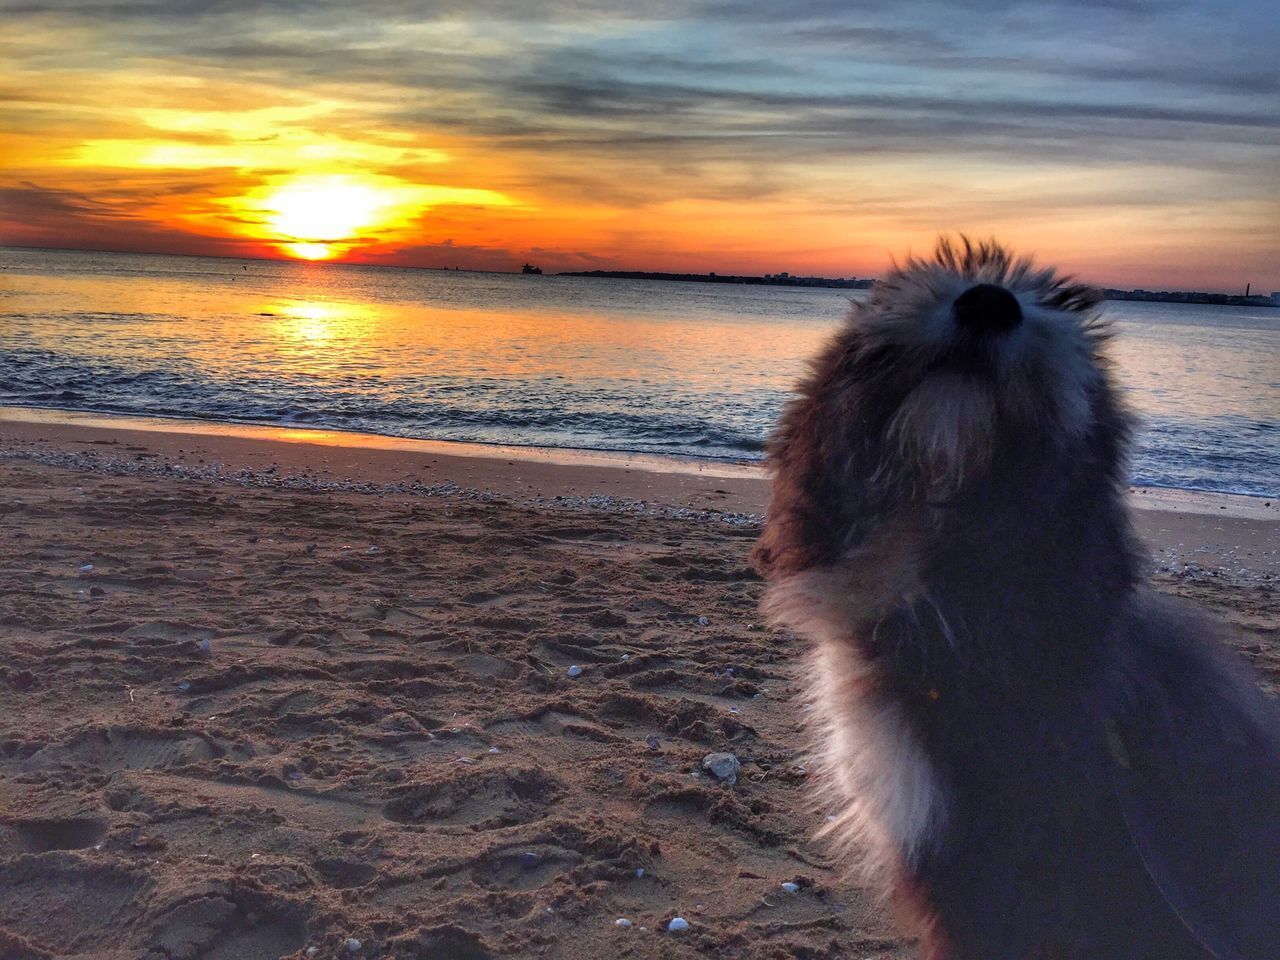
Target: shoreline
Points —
{"points": [[1145, 496], [335, 437], [1234, 535]]}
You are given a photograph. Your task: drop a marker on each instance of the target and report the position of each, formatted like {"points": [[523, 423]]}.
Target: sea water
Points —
{"points": [[684, 369]]}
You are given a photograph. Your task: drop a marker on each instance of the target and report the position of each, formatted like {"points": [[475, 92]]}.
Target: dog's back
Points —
{"points": [[1138, 817]]}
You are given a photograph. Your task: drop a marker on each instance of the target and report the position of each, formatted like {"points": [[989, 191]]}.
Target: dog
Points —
{"points": [[1039, 757]]}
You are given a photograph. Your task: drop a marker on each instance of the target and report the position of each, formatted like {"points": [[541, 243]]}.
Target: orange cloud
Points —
{"points": [[613, 137]]}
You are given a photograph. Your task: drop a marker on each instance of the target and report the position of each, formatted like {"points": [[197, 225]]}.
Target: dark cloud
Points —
{"points": [[34, 204], [111, 201], [666, 57], [38, 216]]}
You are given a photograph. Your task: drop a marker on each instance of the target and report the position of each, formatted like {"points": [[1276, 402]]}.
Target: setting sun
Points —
{"points": [[324, 216], [310, 214], [310, 251]]}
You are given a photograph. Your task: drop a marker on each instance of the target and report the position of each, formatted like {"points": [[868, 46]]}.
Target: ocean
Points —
{"points": [[679, 369]]}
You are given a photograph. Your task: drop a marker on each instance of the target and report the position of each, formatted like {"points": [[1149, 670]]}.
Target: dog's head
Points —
{"points": [[960, 377]]}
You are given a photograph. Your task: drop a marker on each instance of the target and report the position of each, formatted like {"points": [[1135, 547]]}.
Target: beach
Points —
{"points": [[272, 690]]}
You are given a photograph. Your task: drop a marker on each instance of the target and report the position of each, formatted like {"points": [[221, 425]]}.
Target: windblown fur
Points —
{"points": [[1022, 741]]}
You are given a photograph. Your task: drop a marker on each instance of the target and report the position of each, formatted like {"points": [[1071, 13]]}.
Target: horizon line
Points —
{"points": [[1221, 291]]}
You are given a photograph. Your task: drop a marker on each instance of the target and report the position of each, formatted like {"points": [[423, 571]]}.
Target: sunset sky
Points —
{"points": [[1136, 143]]}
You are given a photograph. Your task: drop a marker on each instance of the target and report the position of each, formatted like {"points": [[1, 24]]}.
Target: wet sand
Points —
{"points": [[265, 695]]}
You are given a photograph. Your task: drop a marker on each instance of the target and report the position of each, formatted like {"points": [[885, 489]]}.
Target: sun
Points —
{"points": [[310, 251], [324, 216], [315, 218]]}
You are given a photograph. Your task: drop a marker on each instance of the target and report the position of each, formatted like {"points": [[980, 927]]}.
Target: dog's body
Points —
{"points": [[1048, 761]]}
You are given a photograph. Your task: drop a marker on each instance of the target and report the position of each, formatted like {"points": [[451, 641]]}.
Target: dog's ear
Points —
{"points": [[825, 457]]}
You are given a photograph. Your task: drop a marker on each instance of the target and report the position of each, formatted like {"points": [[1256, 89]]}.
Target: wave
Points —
{"points": [[1228, 454], [570, 419]]}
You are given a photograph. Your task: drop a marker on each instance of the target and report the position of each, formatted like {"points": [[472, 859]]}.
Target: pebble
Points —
{"points": [[494, 750], [86, 568], [639, 872], [724, 766], [206, 646], [574, 671], [791, 887], [622, 922], [311, 951], [704, 622], [678, 924], [184, 686], [626, 656], [352, 945]]}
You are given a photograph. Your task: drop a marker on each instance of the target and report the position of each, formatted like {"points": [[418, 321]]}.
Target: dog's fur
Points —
{"points": [[1043, 760]]}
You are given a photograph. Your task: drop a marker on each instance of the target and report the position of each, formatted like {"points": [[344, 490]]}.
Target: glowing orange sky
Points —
{"points": [[726, 137]]}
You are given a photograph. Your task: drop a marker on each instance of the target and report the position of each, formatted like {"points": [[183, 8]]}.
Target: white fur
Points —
{"points": [[945, 425], [1044, 369], [872, 770]]}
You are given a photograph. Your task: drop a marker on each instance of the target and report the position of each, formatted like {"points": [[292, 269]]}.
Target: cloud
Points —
{"points": [[812, 110], [33, 204], [38, 216]]}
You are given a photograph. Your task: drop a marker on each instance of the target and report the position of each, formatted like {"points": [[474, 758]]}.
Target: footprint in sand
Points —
{"points": [[119, 748], [484, 800], [523, 868], [72, 833], [211, 927], [65, 904]]}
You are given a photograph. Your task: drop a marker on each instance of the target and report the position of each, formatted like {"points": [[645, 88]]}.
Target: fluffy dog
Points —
{"points": [[1044, 760]]}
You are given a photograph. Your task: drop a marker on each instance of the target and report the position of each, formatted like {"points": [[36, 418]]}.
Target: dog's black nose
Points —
{"points": [[987, 308]]}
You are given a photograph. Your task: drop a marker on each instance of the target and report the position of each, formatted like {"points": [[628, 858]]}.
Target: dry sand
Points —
{"points": [[263, 695]]}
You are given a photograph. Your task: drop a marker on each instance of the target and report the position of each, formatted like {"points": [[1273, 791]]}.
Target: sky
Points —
{"points": [[1133, 143]]}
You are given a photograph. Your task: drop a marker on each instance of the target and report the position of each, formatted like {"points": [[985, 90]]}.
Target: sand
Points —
{"points": [[263, 695]]}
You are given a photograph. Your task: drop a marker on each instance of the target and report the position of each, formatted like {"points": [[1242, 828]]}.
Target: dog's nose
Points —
{"points": [[987, 308]]}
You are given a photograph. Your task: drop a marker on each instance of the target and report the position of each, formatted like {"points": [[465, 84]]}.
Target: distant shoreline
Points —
{"points": [[783, 280], [766, 281], [1191, 296]]}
